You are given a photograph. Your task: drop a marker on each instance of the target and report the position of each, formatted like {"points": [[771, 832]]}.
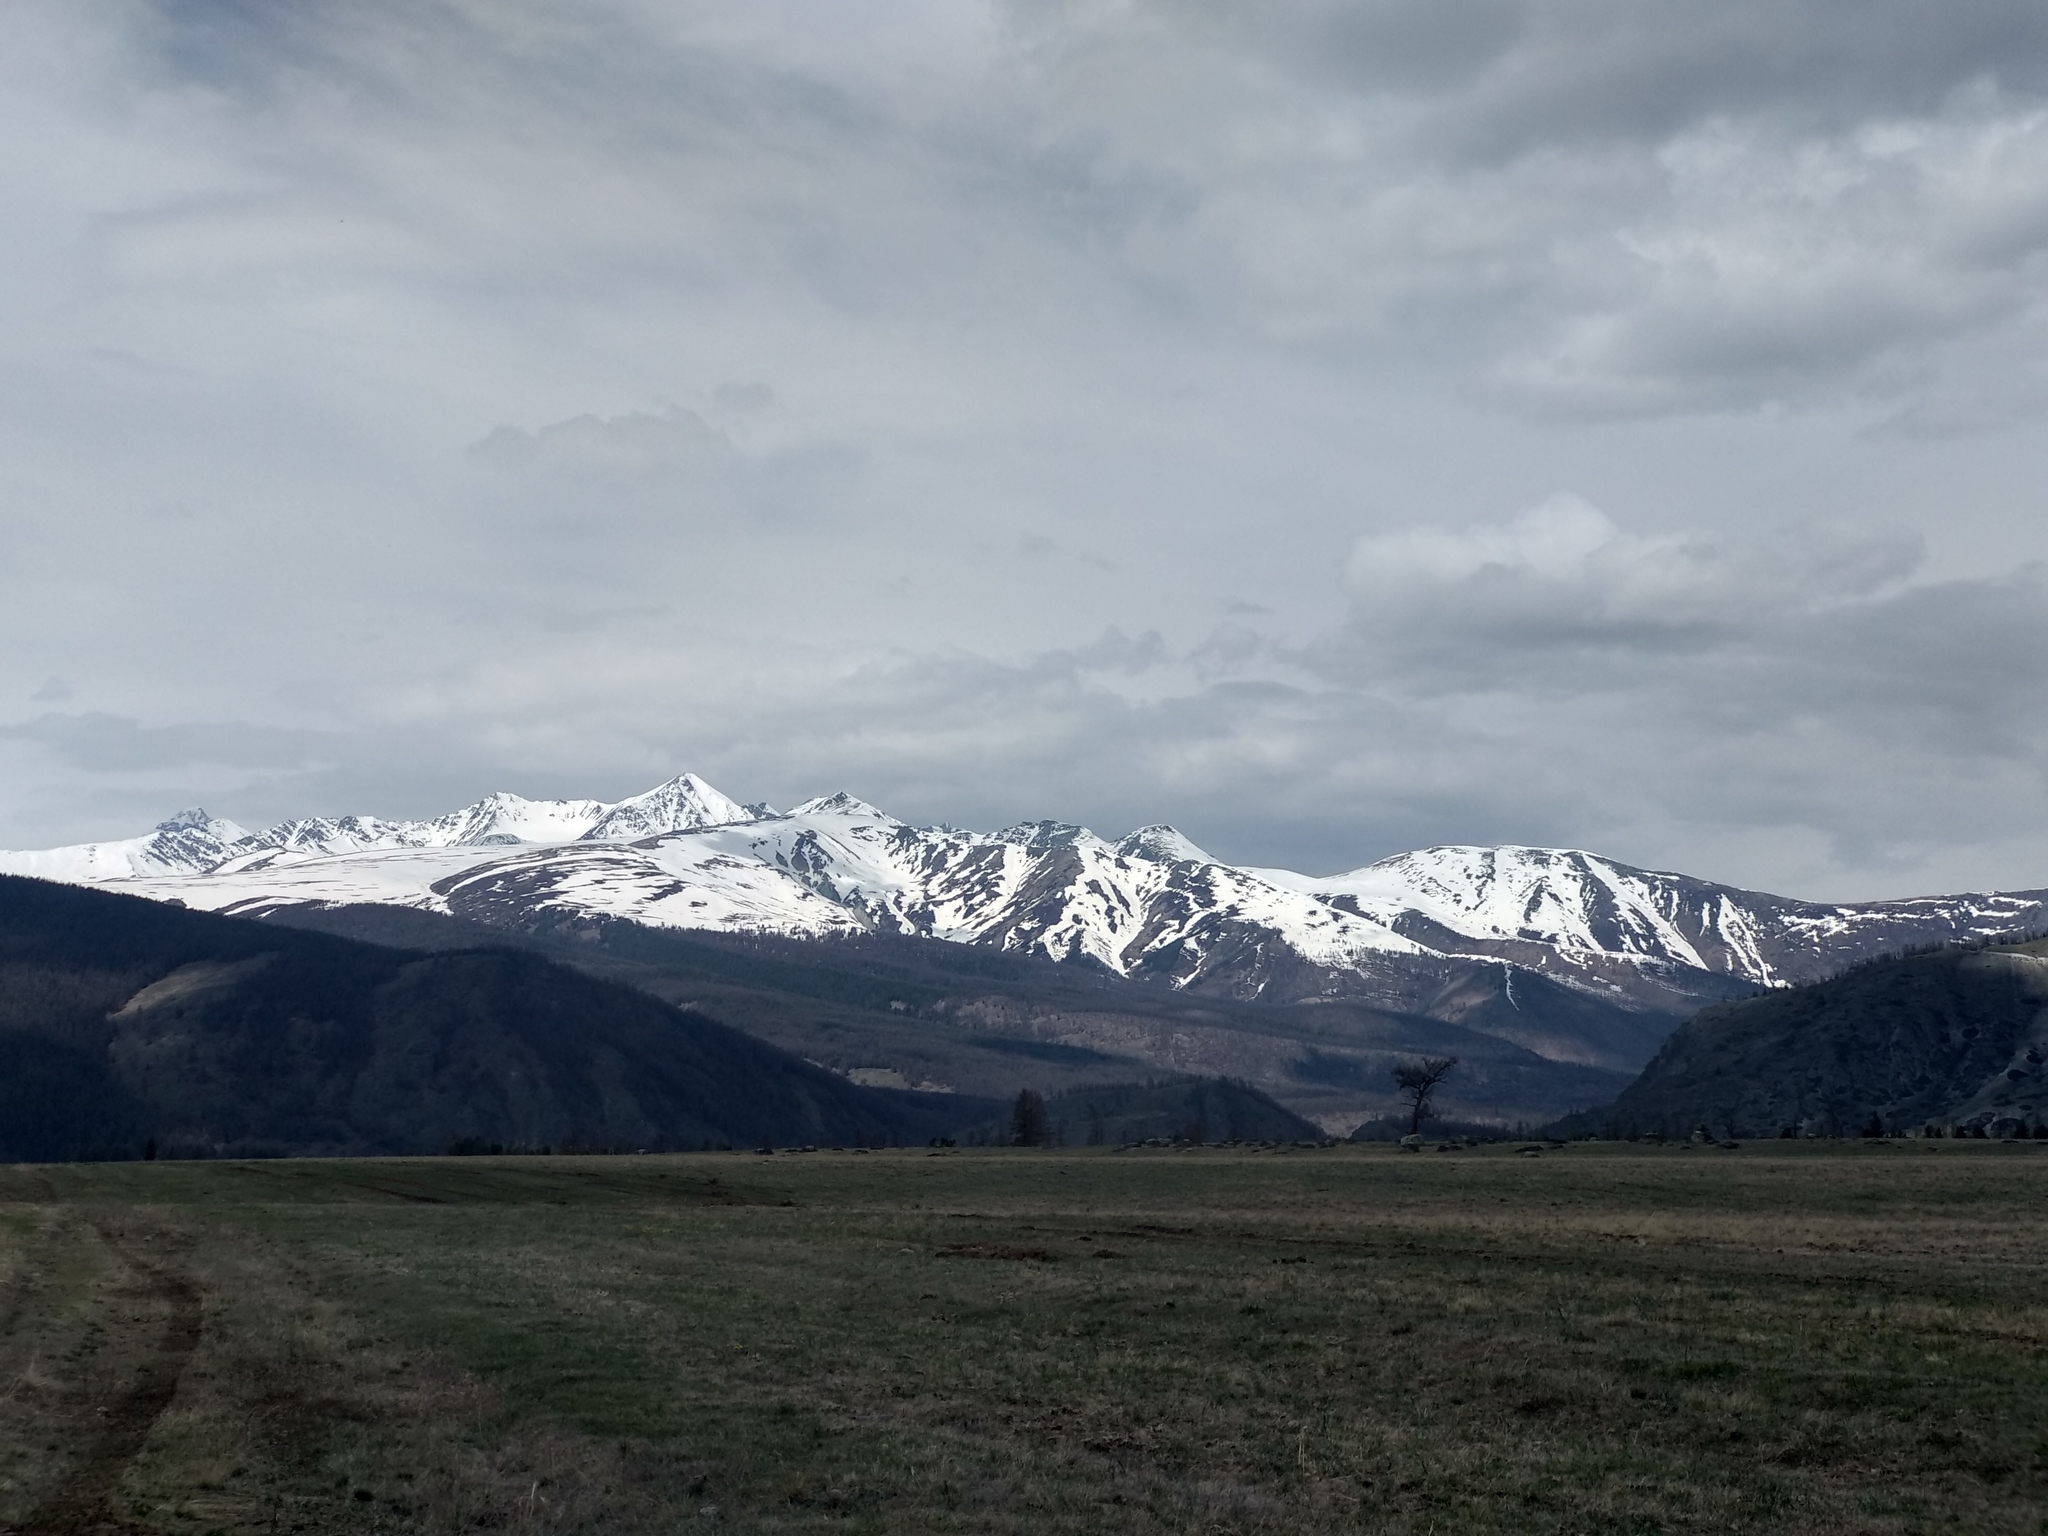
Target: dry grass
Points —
{"points": [[1609, 1339]]}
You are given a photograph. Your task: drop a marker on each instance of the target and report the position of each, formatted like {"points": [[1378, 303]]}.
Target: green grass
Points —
{"points": [[1604, 1339]]}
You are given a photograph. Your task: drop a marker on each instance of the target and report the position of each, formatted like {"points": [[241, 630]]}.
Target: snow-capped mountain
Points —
{"points": [[1535, 906], [1439, 931], [190, 843], [681, 805], [839, 865]]}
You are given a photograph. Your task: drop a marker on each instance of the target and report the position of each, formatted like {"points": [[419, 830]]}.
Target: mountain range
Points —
{"points": [[193, 842], [1575, 959]]}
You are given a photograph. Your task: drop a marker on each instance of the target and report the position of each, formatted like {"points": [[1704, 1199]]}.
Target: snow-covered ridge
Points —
{"points": [[194, 843], [191, 842], [684, 855], [1564, 898]]}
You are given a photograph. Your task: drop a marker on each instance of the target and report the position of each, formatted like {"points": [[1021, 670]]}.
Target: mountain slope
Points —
{"points": [[988, 1022], [125, 1019], [1952, 1037]]}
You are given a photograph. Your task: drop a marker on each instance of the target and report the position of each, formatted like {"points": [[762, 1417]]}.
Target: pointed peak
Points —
{"points": [[684, 786], [681, 784], [502, 816], [191, 841], [1163, 844], [203, 823], [684, 804], [841, 804]]}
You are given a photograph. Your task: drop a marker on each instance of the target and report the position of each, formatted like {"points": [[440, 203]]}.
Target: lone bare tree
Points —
{"points": [[1417, 1081]]}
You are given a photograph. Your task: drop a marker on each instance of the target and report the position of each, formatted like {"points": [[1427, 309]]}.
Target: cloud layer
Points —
{"points": [[1333, 426]]}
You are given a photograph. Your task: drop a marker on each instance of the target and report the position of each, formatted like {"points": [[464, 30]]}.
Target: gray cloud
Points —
{"points": [[1527, 74], [1800, 710], [639, 441], [1808, 715], [467, 395], [102, 743], [1620, 208], [1561, 582], [1624, 209]]}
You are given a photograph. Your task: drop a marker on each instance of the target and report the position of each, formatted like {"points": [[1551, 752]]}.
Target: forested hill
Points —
{"points": [[1956, 1038], [126, 1023]]}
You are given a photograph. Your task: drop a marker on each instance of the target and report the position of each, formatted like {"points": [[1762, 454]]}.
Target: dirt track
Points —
{"points": [[95, 1366]]}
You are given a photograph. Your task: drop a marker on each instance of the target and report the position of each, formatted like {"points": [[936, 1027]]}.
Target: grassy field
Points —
{"points": [[1813, 1338]]}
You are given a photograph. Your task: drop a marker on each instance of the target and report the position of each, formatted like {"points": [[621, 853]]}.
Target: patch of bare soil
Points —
{"points": [[998, 1251]]}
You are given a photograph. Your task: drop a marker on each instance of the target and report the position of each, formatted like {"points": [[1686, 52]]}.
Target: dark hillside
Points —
{"points": [[124, 1020], [987, 1022], [876, 1001], [1957, 1037]]}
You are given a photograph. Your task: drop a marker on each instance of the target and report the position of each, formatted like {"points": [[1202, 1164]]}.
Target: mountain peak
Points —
{"points": [[503, 817], [1162, 844], [841, 804], [196, 828], [684, 804]]}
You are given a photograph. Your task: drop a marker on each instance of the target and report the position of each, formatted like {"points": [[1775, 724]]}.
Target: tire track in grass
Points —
{"points": [[81, 1504]]}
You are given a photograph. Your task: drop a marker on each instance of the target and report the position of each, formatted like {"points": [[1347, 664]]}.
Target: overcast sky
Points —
{"points": [[1329, 427]]}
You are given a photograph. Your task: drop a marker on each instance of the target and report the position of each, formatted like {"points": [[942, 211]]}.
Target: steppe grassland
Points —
{"points": [[1813, 1338]]}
